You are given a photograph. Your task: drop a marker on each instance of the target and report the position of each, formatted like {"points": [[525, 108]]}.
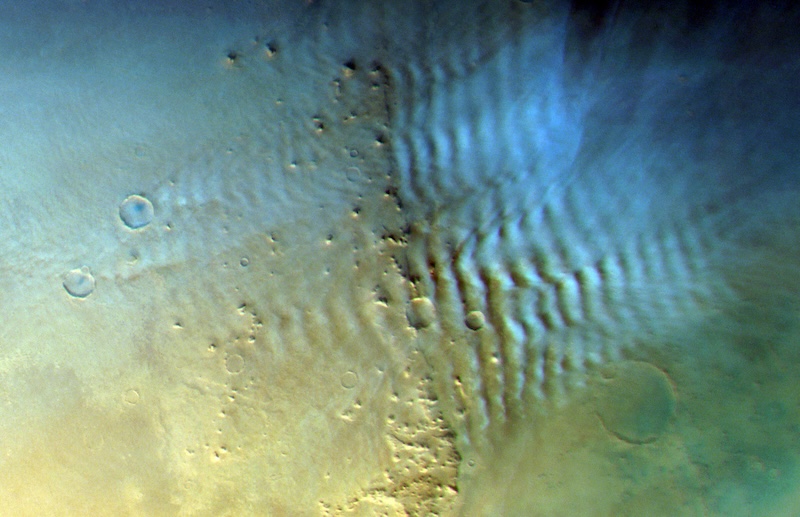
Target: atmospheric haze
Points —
{"points": [[476, 258]]}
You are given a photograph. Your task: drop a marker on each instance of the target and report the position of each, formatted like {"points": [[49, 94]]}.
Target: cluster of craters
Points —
{"points": [[136, 212]]}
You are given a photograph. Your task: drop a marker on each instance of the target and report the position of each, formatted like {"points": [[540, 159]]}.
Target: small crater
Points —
{"points": [[131, 397], [79, 283], [136, 212], [353, 174], [475, 320], [421, 313], [234, 363], [349, 379]]}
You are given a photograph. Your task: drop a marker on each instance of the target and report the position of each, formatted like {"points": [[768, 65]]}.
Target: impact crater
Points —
{"points": [[635, 401], [136, 212]]}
